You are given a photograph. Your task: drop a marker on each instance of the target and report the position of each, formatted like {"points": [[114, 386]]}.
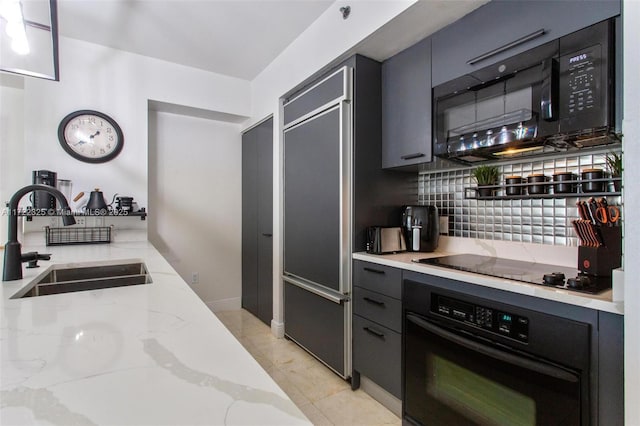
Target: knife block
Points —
{"points": [[600, 261]]}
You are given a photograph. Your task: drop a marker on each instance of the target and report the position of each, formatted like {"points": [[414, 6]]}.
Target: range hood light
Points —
{"points": [[511, 151]]}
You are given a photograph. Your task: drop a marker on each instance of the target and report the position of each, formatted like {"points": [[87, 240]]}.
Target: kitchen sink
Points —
{"points": [[82, 277]]}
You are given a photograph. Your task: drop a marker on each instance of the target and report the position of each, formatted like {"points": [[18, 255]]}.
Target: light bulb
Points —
{"points": [[14, 29], [20, 45], [11, 10]]}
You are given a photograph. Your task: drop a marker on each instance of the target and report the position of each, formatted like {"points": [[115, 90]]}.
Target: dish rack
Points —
{"points": [[88, 235]]}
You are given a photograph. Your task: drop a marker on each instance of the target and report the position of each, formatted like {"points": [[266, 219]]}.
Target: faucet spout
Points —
{"points": [[12, 249]]}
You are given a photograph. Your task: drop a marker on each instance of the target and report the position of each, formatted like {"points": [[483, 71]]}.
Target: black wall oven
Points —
{"points": [[475, 361], [561, 93]]}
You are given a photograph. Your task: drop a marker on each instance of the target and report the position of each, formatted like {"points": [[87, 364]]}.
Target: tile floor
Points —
{"points": [[324, 397]]}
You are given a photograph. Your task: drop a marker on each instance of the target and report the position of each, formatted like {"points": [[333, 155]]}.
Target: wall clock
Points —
{"points": [[90, 136]]}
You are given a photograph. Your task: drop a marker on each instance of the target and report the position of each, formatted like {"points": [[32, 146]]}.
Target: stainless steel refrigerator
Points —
{"points": [[317, 222], [334, 188]]}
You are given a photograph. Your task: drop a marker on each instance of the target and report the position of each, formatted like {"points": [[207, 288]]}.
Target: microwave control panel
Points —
{"points": [[493, 320], [582, 70]]}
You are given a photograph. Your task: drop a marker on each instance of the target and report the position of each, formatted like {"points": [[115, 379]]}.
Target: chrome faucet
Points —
{"points": [[13, 257]]}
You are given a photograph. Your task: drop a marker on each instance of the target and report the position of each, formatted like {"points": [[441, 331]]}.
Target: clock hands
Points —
{"points": [[91, 137]]}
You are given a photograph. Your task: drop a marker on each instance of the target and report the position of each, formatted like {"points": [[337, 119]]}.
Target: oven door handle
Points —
{"points": [[529, 364]]}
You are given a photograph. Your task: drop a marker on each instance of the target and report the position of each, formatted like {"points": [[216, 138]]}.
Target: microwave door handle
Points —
{"points": [[549, 89], [526, 363], [507, 46]]}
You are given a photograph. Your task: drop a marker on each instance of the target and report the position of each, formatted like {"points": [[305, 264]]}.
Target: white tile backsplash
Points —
{"points": [[527, 220]]}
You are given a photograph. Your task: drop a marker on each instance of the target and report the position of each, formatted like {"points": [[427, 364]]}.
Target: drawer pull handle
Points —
{"points": [[375, 271], [412, 156], [375, 302], [374, 332]]}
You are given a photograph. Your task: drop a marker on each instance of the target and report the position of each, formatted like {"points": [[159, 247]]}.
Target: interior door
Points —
{"points": [[249, 221], [265, 221], [257, 215]]}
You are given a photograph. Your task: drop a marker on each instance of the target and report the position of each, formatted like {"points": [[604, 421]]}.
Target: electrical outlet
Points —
{"points": [[195, 277], [444, 225]]}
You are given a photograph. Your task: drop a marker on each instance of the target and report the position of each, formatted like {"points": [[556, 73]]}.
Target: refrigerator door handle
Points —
{"points": [[333, 296]]}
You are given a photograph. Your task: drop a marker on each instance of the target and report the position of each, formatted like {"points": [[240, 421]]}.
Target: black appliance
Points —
{"points": [[43, 200], [97, 204], [124, 204], [421, 226], [560, 93], [529, 272], [470, 360]]}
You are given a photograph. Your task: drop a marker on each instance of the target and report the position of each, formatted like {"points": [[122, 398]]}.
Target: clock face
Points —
{"points": [[90, 136]]}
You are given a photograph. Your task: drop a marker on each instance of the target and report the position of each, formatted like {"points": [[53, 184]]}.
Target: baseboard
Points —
{"points": [[231, 304], [277, 328], [382, 396]]}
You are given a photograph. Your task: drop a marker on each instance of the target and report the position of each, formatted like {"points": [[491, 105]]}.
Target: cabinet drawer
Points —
{"points": [[376, 354], [376, 307], [378, 278]]}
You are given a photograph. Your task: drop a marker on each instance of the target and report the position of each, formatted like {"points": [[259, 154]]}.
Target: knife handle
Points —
{"points": [[598, 234], [581, 210]]}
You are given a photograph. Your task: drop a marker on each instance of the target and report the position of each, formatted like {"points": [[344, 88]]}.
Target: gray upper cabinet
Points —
{"points": [[501, 29], [406, 107]]}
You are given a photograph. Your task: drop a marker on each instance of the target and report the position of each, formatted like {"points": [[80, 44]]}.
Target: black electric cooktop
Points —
{"points": [[529, 272]]}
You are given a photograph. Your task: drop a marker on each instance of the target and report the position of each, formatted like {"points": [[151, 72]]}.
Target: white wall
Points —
{"points": [[118, 84], [11, 148], [324, 41], [631, 131], [195, 194], [122, 85]]}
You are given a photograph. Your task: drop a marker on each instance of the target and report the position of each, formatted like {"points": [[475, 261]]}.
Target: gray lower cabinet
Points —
{"points": [[406, 107], [257, 215], [501, 29], [610, 369], [377, 326]]}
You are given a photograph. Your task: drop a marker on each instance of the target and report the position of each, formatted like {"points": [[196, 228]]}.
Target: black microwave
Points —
{"points": [[560, 93]]}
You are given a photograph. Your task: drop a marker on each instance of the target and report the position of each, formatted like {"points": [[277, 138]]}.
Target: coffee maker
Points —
{"points": [[43, 200], [421, 227]]}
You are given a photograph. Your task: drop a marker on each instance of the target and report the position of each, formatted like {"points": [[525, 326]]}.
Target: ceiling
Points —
{"points": [[238, 38]]}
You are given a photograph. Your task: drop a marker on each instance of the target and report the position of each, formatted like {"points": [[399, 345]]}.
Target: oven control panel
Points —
{"points": [[493, 320]]}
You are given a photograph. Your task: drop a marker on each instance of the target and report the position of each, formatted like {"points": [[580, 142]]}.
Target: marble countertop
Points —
{"points": [[144, 354], [602, 301]]}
